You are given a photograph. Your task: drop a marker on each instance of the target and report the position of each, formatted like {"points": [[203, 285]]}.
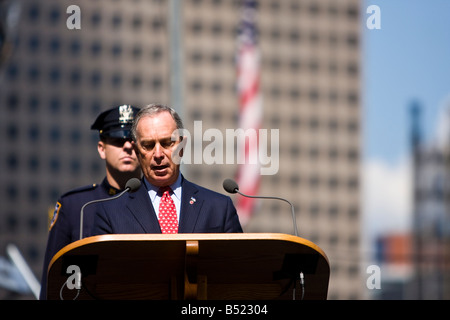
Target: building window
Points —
{"points": [[33, 223], [333, 183], [33, 44], [96, 78], [216, 87], [116, 79], [294, 180], [33, 133], [75, 136], [12, 71], [216, 29], [294, 36], [55, 105], [33, 194], [353, 98], [136, 81], [333, 212], [295, 152], [12, 132], [157, 24], [136, 23], [34, 13], [157, 83], [12, 222], [96, 48], [156, 54], [116, 50], [196, 27], [12, 162], [294, 93], [314, 95], [96, 19], [33, 73], [136, 52], [314, 210], [55, 75], [75, 47], [353, 183], [54, 45], [313, 153], [116, 20], [294, 65], [314, 181], [54, 15], [55, 164], [216, 58], [196, 86], [55, 134], [75, 77], [75, 166], [333, 240], [196, 57]]}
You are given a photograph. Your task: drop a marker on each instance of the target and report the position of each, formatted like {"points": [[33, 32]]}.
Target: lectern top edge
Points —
{"points": [[186, 237]]}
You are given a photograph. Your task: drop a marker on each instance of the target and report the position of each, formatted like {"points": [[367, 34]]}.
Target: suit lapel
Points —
{"points": [[141, 208], [190, 207]]}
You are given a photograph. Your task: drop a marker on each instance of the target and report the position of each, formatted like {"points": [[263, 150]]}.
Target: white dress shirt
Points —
{"points": [[155, 198]]}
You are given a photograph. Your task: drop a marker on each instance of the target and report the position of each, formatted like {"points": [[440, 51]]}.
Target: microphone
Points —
{"points": [[231, 186], [131, 186]]}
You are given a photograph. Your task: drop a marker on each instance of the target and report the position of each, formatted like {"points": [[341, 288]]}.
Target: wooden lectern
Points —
{"points": [[232, 266]]}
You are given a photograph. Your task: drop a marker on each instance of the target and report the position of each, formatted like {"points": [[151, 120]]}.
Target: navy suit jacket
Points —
{"points": [[202, 211]]}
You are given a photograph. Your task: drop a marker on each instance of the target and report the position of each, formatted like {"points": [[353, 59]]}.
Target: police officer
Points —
{"points": [[121, 164]]}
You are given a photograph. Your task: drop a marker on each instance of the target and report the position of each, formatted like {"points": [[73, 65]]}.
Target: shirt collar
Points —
{"points": [[108, 188], [153, 190]]}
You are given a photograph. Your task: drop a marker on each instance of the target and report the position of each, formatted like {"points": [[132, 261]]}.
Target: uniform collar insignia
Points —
{"points": [[112, 191]]}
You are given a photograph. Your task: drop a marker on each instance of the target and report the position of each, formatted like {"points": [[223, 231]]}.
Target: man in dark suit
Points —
{"points": [[165, 202], [121, 164]]}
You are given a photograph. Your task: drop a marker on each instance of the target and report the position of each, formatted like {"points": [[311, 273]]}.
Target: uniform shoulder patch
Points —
{"points": [[55, 215]]}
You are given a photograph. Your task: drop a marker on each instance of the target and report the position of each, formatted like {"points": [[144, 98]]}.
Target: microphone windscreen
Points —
{"points": [[133, 184], [230, 186]]}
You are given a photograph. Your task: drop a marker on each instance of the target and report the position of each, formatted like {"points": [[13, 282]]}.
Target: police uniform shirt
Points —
{"points": [[65, 224]]}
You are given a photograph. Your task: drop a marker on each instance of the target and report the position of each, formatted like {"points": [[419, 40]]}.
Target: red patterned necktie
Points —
{"points": [[167, 215]]}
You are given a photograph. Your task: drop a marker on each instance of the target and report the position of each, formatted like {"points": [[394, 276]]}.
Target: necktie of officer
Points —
{"points": [[167, 215]]}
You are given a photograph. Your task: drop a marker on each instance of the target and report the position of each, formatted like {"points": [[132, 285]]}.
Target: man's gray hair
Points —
{"points": [[151, 110]]}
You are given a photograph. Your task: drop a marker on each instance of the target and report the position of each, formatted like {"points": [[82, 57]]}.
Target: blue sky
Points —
{"points": [[407, 59]]}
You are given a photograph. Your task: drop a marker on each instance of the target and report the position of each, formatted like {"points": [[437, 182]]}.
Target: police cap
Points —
{"points": [[116, 122]]}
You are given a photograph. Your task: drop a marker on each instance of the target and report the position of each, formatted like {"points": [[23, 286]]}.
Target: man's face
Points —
{"points": [[119, 154], [154, 146]]}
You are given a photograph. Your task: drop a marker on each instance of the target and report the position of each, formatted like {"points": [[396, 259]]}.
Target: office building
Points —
{"points": [[57, 80]]}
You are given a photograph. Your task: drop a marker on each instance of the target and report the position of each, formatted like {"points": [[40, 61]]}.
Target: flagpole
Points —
{"points": [[176, 55], [176, 60]]}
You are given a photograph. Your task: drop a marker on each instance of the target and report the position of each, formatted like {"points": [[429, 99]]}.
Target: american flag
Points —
{"points": [[248, 86]]}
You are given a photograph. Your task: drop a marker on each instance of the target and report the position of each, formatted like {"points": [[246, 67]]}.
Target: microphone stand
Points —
{"points": [[274, 198], [96, 201]]}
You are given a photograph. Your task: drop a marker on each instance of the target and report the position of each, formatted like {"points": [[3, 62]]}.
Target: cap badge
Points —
{"points": [[126, 114]]}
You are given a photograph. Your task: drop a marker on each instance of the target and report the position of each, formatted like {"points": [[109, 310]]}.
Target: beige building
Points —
{"points": [[57, 80]]}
